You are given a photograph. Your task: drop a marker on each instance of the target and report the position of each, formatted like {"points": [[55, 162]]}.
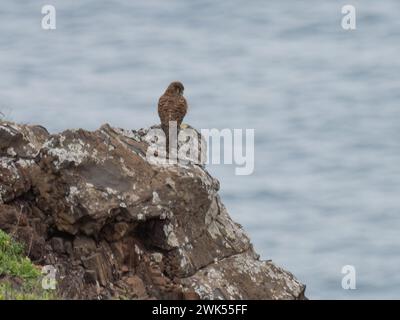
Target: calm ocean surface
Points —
{"points": [[324, 104]]}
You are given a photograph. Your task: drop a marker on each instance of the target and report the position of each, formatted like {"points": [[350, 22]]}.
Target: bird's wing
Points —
{"points": [[163, 106], [171, 109], [181, 109]]}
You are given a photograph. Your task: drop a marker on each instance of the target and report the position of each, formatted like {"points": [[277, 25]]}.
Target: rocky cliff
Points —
{"points": [[116, 226]]}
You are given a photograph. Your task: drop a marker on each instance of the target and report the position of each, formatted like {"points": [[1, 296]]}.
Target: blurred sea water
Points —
{"points": [[324, 103]]}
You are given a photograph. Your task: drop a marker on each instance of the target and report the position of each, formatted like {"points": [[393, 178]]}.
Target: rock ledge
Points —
{"points": [[116, 226]]}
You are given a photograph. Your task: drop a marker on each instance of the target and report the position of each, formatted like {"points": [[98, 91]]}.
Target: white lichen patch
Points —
{"points": [[170, 235], [111, 191], [205, 178], [172, 240], [167, 228], [72, 194], [184, 261], [126, 170], [170, 182], [131, 198], [72, 152], [128, 133], [157, 257], [156, 198], [49, 143], [229, 275], [212, 284], [230, 231], [213, 230], [61, 140], [8, 130], [34, 142], [31, 145], [204, 290], [291, 285], [11, 152], [247, 266], [25, 163], [138, 252], [12, 171], [233, 291]]}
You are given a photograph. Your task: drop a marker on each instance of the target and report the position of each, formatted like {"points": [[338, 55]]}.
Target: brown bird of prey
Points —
{"points": [[172, 106]]}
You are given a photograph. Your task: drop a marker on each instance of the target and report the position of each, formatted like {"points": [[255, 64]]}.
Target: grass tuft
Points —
{"points": [[20, 279]]}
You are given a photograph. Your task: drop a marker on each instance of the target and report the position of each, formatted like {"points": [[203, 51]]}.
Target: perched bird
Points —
{"points": [[172, 106]]}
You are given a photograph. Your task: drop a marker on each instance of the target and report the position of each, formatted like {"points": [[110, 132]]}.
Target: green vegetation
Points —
{"points": [[12, 261], [20, 279]]}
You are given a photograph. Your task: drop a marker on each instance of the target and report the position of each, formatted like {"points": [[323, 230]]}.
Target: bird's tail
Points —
{"points": [[165, 128], [173, 128]]}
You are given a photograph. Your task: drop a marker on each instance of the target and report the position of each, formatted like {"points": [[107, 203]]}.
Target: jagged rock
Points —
{"points": [[118, 226]]}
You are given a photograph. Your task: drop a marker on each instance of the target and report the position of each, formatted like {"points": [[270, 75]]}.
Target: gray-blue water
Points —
{"points": [[324, 103]]}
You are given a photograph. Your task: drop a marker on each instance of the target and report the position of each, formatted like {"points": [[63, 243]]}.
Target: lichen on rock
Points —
{"points": [[117, 226]]}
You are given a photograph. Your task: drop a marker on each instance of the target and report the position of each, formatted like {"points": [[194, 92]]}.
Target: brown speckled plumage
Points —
{"points": [[172, 106]]}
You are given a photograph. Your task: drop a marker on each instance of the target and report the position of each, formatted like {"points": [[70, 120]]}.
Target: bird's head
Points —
{"points": [[175, 88]]}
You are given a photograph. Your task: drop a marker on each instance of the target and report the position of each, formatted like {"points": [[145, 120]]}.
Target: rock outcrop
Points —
{"points": [[116, 226]]}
